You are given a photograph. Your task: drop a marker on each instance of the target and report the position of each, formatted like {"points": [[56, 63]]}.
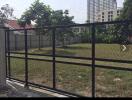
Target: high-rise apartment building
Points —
{"points": [[108, 15], [95, 6]]}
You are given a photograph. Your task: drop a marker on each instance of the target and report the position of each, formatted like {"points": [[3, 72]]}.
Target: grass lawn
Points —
{"points": [[75, 78]]}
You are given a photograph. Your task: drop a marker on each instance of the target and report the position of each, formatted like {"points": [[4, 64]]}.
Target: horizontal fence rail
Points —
{"points": [[76, 25], [72, 57], [26, 56]]}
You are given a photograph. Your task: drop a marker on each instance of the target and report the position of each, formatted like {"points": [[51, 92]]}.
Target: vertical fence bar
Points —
{"points": [[93, 61], [53, 53], [8, 50], [26, 59], [39, 41], [30, 41], [15, 42]]}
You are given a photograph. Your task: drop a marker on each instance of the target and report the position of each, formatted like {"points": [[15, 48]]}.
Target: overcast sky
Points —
{"points": [[77, 8]]}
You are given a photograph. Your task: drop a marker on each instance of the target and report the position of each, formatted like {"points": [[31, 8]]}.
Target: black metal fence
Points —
{"points": [[98, 57]]}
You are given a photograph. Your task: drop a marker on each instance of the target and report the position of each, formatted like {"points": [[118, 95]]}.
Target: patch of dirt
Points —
{"points": [[86, 92], [117, 80], [100, 87], [100, 77]]}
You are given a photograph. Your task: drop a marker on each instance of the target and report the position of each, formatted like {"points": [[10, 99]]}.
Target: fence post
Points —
{"points": [[39, 37], [53, 54], [30, 41], [26, 59], [93, 61], [6, 51], [15, 35], [2, 59], [42, 41]]}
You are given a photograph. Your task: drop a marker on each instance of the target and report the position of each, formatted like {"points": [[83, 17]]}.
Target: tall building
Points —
{"points": [[95, 6], [108, 15]]}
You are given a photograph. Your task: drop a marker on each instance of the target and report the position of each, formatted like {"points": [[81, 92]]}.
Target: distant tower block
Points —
{"points": [[95, 6]]}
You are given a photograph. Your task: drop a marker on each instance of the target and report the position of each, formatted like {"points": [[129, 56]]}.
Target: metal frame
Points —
{"points": [[54, 61]]}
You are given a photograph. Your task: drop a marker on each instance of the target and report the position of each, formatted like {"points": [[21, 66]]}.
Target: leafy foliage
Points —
{"points": [[62, 18], [124, 30], [43, 16], [5, 12], [127, 10]]}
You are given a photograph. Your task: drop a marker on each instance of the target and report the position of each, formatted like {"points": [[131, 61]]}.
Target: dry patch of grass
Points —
{"points": [[77, 79]]}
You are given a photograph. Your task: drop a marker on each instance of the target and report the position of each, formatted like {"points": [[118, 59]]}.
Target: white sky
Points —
{"points": [[77, 8]]}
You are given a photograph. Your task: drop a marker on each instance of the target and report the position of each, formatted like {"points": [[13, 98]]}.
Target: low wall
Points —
{"points": [[17, 42]]}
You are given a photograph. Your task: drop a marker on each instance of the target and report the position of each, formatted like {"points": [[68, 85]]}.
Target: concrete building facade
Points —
{"points": [[108, 15], [95, 6]]}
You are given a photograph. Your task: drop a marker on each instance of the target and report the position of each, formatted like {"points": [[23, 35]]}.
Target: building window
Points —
{"points": [[109, 19], [108, 16], [111, 12]]}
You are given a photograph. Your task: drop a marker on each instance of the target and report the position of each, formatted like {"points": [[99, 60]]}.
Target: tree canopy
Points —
{"points": [[37, 12], [124, 30], [43, 16], [127, 10], [5, 12]]}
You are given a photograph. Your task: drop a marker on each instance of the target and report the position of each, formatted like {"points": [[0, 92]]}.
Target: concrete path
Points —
{"points": [[19, 91]]}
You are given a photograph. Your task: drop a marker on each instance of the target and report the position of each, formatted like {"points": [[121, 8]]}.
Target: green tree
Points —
{"points": [[5, 12], [43, 16], [124, 31], [39, 13], [127, 10], [86, 37], [61, 18]]}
